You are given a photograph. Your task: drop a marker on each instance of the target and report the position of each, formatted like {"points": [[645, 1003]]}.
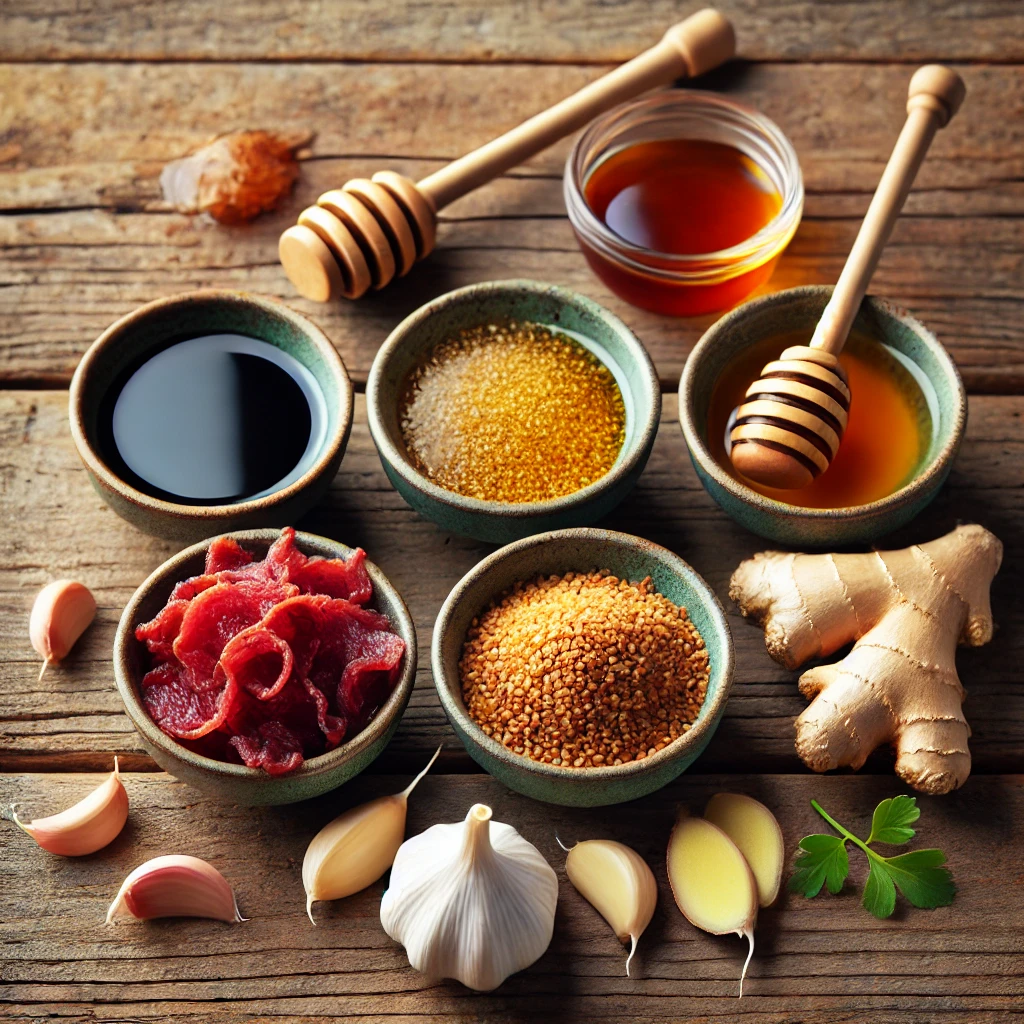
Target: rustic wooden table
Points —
{"points": [[95, 99]]}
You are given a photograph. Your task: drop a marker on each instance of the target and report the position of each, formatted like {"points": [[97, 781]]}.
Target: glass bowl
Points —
{"points": [[692, 284]]}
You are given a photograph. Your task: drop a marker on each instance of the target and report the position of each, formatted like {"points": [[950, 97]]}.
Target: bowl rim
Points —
{"points": [[711, 709], [631, 456], [179, 510], [394, 706], [928, 476]]}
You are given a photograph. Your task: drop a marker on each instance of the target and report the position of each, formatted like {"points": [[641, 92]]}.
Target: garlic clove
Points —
{"points": [[755, 830], [618, 883], [355, 849], [712, 881], [94, 822], [472, 901], [175, 886], [61, 612]]}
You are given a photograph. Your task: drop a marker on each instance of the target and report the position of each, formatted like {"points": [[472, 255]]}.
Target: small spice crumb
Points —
{"points": [[512, 413], [632, 670]]}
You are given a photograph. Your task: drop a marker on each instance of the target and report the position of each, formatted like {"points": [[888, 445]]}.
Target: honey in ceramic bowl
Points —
{"points": [[888, 433]]}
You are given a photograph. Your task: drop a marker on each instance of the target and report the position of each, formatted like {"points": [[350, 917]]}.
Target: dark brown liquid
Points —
{"points": [[212, 420]]}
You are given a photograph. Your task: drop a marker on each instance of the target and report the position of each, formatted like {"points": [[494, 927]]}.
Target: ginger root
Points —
{"points": [[907, 611]]}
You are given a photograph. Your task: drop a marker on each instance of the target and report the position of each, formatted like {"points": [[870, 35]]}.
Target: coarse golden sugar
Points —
{"points": [[512, 413], [584, 670]]}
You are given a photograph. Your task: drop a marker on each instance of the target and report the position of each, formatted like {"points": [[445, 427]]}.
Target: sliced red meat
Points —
{"points": [[211, 619], [257, 661], [226, 553], [297, 621], [273, 747], [268, 663], [178, 708], [335, 577]]}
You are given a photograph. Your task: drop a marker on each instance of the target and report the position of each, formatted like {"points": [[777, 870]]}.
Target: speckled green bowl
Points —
{"points": [[234, 782], [149, 328], [772, 315], [581, 550], [497, 301]]}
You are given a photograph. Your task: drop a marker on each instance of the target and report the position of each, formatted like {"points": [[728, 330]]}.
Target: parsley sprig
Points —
{"points": [[918, 875]]}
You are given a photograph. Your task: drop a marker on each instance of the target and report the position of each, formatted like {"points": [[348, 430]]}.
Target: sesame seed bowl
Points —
{"points": [[582, 550], [561, 311]]}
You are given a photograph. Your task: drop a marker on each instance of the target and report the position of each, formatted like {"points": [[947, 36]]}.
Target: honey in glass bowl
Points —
{"points": [[683, 202]]}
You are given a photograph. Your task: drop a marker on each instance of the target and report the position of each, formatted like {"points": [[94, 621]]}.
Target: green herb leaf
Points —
{"points": [[921, 878], [823, 862], [919, 875], [879, 891], [891, 820]]}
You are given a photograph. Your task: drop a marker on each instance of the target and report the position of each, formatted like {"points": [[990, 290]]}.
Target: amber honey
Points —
{"points": [[887, 436], [681, 197]]}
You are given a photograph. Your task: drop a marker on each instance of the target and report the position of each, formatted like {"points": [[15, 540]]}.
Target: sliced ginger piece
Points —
{"points": [[753, 828], [712, 881], [907, 610]]}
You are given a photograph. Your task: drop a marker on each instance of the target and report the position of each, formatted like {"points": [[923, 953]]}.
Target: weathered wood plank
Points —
{"points": [[473, 30], [94, 240], [817, 960], [52, 524]]}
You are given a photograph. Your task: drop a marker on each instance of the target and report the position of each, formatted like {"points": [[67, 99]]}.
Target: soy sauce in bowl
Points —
{"points": [[213, 420]]}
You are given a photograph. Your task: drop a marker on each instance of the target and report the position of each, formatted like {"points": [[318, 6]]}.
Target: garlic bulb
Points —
{"points": [[88, 826], [619, 884], [355, 849], [175, 886], [472, 901]]}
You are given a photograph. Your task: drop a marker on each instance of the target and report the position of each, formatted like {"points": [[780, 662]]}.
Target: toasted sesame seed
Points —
{"points": [[600, 714]]}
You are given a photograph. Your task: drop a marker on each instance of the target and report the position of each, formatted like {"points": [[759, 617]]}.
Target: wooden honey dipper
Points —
{"points": [[788, 430], [370, 230]]}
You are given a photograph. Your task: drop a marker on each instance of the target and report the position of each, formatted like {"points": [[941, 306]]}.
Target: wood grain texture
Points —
{"points": [[825, 958], [476, 30], [52, 525], [86, 237]]}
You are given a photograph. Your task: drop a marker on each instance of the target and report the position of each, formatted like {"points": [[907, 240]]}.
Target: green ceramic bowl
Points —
{"points": [[794, 309], [234, 782], [603, 333], [145, 331], [581, 550]]}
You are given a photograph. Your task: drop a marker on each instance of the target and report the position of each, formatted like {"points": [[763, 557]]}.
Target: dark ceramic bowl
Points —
{"points": [[581, 550], [235, 782], [150, 328], [497, 301], [797, 308]]}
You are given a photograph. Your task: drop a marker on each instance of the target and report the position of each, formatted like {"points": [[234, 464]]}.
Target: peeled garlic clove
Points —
{"points": [[88, 826], [61, 612], [175, 886], [355, 849], [619, 884], [754, 829], [472, 901], [712, 882]]}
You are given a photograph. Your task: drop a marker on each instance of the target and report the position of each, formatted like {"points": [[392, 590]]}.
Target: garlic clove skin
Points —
{"points": [[61, 612], [175, 886], [355, 849], [472, 901], [94, 822], [618, 882]]}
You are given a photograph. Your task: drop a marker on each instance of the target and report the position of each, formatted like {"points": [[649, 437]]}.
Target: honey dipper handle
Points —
{"points": [[935, 95], [698, 44]]}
